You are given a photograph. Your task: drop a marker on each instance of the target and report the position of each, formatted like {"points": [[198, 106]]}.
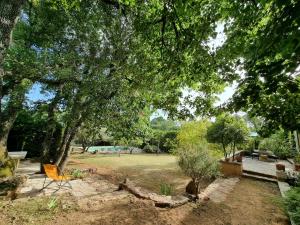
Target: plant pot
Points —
{"points": [[280, 166], [263, 157], [297, 166], [231, 168], [281, 175], [239, 158]]}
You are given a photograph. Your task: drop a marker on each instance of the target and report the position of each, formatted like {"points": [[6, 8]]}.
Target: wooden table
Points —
{"points": [[17, 156]]}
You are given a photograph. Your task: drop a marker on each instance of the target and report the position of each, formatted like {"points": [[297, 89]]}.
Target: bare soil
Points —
{"points": [[251, 203]]}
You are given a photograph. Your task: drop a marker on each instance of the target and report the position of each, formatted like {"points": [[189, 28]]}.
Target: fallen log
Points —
{"points": [[162, 201]]}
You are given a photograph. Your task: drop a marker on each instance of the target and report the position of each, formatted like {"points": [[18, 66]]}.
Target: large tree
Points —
{"points": [[114, 58], [263, 41]]}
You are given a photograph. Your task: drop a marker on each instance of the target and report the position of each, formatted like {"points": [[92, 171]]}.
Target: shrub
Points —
{"points": [[166, 189], [197, 163], [278, 143], [292, 204], [150, 148], [297, 159], [76, 173]]}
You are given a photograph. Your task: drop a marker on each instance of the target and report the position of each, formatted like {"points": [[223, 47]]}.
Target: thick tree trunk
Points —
{"points": [[62, 146], [8, 118], [45, 158], [64, 155]]}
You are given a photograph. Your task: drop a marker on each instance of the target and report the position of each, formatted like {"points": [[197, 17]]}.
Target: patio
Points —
{"points": [[261, 167]]}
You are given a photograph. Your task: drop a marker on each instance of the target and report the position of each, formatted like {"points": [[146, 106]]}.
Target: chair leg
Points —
{"points": [[44, 187], [65, 183]]}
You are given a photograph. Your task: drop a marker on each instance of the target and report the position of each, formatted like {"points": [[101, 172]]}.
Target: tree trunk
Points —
{"points": [[9, 12], [45, 158], [8, 118], [63, 159]]}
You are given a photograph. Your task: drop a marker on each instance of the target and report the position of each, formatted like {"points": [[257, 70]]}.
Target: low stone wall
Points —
{"points": [[231, 168], [159, 200]]}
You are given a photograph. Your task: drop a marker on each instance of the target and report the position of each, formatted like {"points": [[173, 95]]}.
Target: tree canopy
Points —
{"points": [[263, 41], [112, 61]]}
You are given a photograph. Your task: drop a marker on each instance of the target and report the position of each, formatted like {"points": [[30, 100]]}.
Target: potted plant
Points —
{"points": [[239, 158], [297, 162], [229, 132]]}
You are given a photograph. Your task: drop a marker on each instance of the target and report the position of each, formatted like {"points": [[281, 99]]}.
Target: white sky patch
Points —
{"points": [[227, 94], [220, 38]]}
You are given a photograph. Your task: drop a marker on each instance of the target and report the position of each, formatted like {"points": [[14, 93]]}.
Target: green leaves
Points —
{"points": [[229, 131], [267, 38]]}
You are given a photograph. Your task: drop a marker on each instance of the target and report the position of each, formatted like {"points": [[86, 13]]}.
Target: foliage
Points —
{"points": [[108, 61], [168, 141], [28, 133], [77, 174], [197, 163], [159, 123], [52, 204], [193, 133], [229, 131], [88, 134], [279, 143], [163, 134], [292, 204], [269, 87], [151, 149], [297, 158], [166, 189]]}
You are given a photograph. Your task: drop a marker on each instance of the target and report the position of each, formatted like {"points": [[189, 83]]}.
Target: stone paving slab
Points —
{"points": [[33, 187], [219, 189], [268, 168]]}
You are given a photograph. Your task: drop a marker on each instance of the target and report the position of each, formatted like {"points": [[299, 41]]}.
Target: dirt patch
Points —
{"points": [[251, 203], [147, 176]]}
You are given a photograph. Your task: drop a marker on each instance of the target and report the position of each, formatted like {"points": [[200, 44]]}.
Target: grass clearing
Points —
{"points": [[146, 170]]}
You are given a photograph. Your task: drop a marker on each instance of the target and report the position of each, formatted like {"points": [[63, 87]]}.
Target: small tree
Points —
{"points": [[229, 131], [197, 163], [193, 132]]}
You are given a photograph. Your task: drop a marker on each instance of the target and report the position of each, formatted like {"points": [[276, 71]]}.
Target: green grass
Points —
{"points": [[146, 170]]}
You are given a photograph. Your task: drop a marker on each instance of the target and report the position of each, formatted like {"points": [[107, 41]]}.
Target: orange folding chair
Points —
{"points": [[52, 173]]}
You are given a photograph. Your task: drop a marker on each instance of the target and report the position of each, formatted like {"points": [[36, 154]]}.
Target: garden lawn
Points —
{"points": [[146, 170]]}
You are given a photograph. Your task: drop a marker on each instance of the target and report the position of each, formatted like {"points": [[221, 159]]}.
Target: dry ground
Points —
{"points": [[251, 203], [146, 170]]}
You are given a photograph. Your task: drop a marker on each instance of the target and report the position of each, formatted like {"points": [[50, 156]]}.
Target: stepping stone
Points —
{"points": [[219, 189]]}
